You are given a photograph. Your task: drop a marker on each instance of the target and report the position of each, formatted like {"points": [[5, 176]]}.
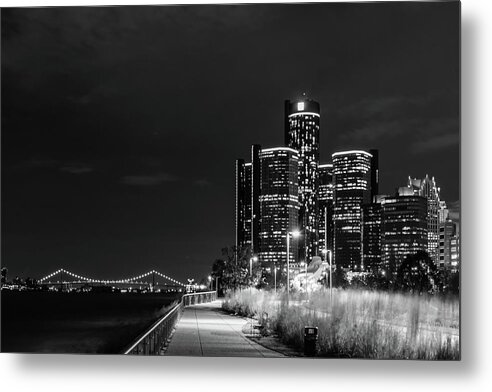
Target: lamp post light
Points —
{"points": [[331, 283], [275, 277], [305, 276], [294, 234], [328, 251], [210, 282], [304, 264], [255, 259]]}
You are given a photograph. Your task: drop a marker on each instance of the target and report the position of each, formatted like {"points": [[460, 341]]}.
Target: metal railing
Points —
{"points": [[198, 298], [154, 339]]}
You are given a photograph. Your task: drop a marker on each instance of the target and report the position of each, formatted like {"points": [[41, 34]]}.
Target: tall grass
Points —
{"points": [[358, 324]]}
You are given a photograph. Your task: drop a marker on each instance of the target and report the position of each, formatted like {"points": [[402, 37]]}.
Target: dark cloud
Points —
{"points": [[203, 182], [76, 169], [419, 134], [148, 180], [417, 122], [433, 143], [36, 163]]}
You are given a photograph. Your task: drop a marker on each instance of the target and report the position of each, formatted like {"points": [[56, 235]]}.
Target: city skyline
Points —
{"points": [[144, 175], [285, 190]]}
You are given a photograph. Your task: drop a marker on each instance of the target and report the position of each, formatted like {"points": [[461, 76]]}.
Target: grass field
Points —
{"points": [[50, 322], [359, 324]]}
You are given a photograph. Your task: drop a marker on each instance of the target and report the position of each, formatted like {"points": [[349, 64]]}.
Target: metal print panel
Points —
{"points": [[268, 180]]}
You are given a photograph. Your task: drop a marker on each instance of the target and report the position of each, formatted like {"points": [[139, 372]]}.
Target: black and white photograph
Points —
{"points": [[265, 181]]}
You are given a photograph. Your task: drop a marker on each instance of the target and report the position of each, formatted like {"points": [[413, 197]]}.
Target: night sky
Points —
{"points": [[121, 125]]}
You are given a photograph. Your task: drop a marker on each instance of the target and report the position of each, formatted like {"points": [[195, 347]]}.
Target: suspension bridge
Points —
{"points": [[63, 276], [194, 325]]}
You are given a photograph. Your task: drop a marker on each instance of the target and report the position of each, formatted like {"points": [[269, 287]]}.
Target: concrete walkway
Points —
{"points": [[205, 331]]}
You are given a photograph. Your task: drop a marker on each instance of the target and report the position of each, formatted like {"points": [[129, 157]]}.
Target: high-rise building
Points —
{"points": [[443, 212], [374, 173], [279, 205], [351, 181], [428, 188], [255, 198], [372, 216], [243, 204], [248, 177], [404, 228], [455, 249], [302, 118], [449, 245], [325, 207]]}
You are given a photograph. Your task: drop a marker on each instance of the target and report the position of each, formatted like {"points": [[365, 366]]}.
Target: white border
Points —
{"points": [[473, 373]]}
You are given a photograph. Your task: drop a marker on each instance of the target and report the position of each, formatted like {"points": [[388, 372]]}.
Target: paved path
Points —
{"points": [[205, 331]]}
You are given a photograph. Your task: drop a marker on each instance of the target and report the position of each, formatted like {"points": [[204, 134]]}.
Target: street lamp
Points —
{"points": [[255, 259], [305, 275], [275, 277], [210, 282], [303, 264], [294, 234], [325, 251]]}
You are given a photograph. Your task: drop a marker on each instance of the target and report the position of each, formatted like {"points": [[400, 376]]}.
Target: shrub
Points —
{"points": [[359, 324]]}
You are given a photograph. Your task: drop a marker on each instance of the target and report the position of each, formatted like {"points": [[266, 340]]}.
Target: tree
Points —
{"points": [[218, 268], [360, 281], [378, 279], [339, 277], [417, 274], [449, 281], [4, 272], [233, 268]]}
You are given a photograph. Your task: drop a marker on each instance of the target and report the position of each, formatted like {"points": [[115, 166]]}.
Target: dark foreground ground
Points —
{"points": [[50, 322]]}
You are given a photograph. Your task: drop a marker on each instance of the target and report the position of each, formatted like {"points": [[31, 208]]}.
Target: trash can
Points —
{"points": [[310, 341]]}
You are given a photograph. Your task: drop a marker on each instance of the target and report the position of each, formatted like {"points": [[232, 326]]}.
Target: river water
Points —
{"points": [[52, 322]]}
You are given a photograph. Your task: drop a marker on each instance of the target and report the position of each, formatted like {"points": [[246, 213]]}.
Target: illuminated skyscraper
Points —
{"points": [[374, 173], [279, 204], [255, 198], [449, 245], [243, 204], [325, 207], [351, 181], [428, 188], [404, 228], [302, 119], [248, 177], [372, 215]]}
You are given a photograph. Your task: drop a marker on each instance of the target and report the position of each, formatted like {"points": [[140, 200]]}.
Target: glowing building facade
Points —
{"points": [[374, 173], [279, 205], [351, 181], [372, 215], [404, 229], [302, 120], [449, 245], [428, 188], [243, 204], [255, 198], [325, 207]]}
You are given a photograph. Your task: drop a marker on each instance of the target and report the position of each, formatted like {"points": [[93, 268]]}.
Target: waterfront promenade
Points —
{"points": [[205, 331]]}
